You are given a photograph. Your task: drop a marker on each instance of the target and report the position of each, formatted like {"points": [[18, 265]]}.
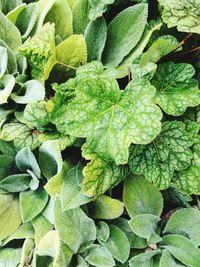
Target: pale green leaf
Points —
{"points": [[183, 14], [15, 183], [117, 244], [9, 215], [145, 226], [10, 257], [7, 83], [182, 249], [80, 11], [32, 203], [12, 63], [106, 207], [40, 52], [9, 33], [131, 22], [176, 90], [95, 37], [103, 231], [27, 249], [144, 259], [73, 221], [138, 198], [14, 13], [168, 152], [98, 256], [112, 119], [41, 226], [167, 260], [3, 60], [97, 8]]}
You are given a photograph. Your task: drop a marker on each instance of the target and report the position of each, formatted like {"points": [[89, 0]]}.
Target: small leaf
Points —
{"points": [[34, 91], [99, 256], [15, 183], [138, 198], [144, 259], [179, 246], [131, 22], [97, 8], [145, 226], [117, 244], [32, 203], [3, 60], [9, 215], [6, 86], [106, 207], [103, 231]]}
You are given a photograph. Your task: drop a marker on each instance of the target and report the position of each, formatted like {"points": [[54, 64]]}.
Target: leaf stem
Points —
{"points": [[66, 65], [182, 42]]}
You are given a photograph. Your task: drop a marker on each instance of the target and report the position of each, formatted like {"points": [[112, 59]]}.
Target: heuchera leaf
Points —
{"points": [[168, 152], [40, 52], [111, 119], [131, 22], [176, 90], [97, 8], [184, 15]]}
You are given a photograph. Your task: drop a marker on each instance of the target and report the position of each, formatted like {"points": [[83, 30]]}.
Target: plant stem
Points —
{"points": [[65, 65], [182, 42]]}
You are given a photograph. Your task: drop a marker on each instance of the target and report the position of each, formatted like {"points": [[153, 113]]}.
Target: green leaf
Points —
{"points": [[71, 193], [41, 226], [72, 51], [145, 226], [112, 119], [32, 203], [117, 244], [3, 60], [25, 230], [144, 259], [80, 11], [100, 175], [179, 246], [14, 13], [33, 91], [26, 160], [183, 15], [15, 183], [97, 8], [168, 152], [73, 221], [40, 52], [27, 250], [12, 63], [185, 222], [50, 158], [167, 260], [26, 20], [106, 207], [21, 134], [103, 231], [61, 9], [9, 33], [98, 256], [10, 257], [137, 196], [162, 46], [9, 215], [7, 83], [95, 37], [131, 22], [176, 90]]}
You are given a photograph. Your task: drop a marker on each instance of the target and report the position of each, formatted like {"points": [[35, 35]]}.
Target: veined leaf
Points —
{"points": [[40, 52], [131, 22], [176, 90], [112, 119], [168, 152]]}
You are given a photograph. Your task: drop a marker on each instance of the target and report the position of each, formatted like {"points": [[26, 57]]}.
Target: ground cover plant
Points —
{"points": [[99, 133]]}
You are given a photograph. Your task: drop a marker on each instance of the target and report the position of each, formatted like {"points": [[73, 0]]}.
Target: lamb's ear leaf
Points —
{"points": [[14, 256], [179, 246], [10, 218], [32, 203], [138, 198], [12, 62], [97, 8], [131, 22], [9, 33], [3, 60], [14, 13], [167, 260], [144, 258], [80, 10], [64, 27], [95, 37], [103, 231], [8, 82], [41, 226], [180, 15], [40, 52], [27, 249]]}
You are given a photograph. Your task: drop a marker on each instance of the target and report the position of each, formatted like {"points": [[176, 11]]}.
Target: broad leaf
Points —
{"points": [[182, 14], [41, 226], [131, 22], [167, 260], [112, 119], [32, 203], [10, 257], [15, 183], [144, 259], [14, 13], [80, 11], [7, 83], [138, 198], [40, 52], [176, 90], [168, 152], [9, 215], [97, 8], [117, 244]]}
